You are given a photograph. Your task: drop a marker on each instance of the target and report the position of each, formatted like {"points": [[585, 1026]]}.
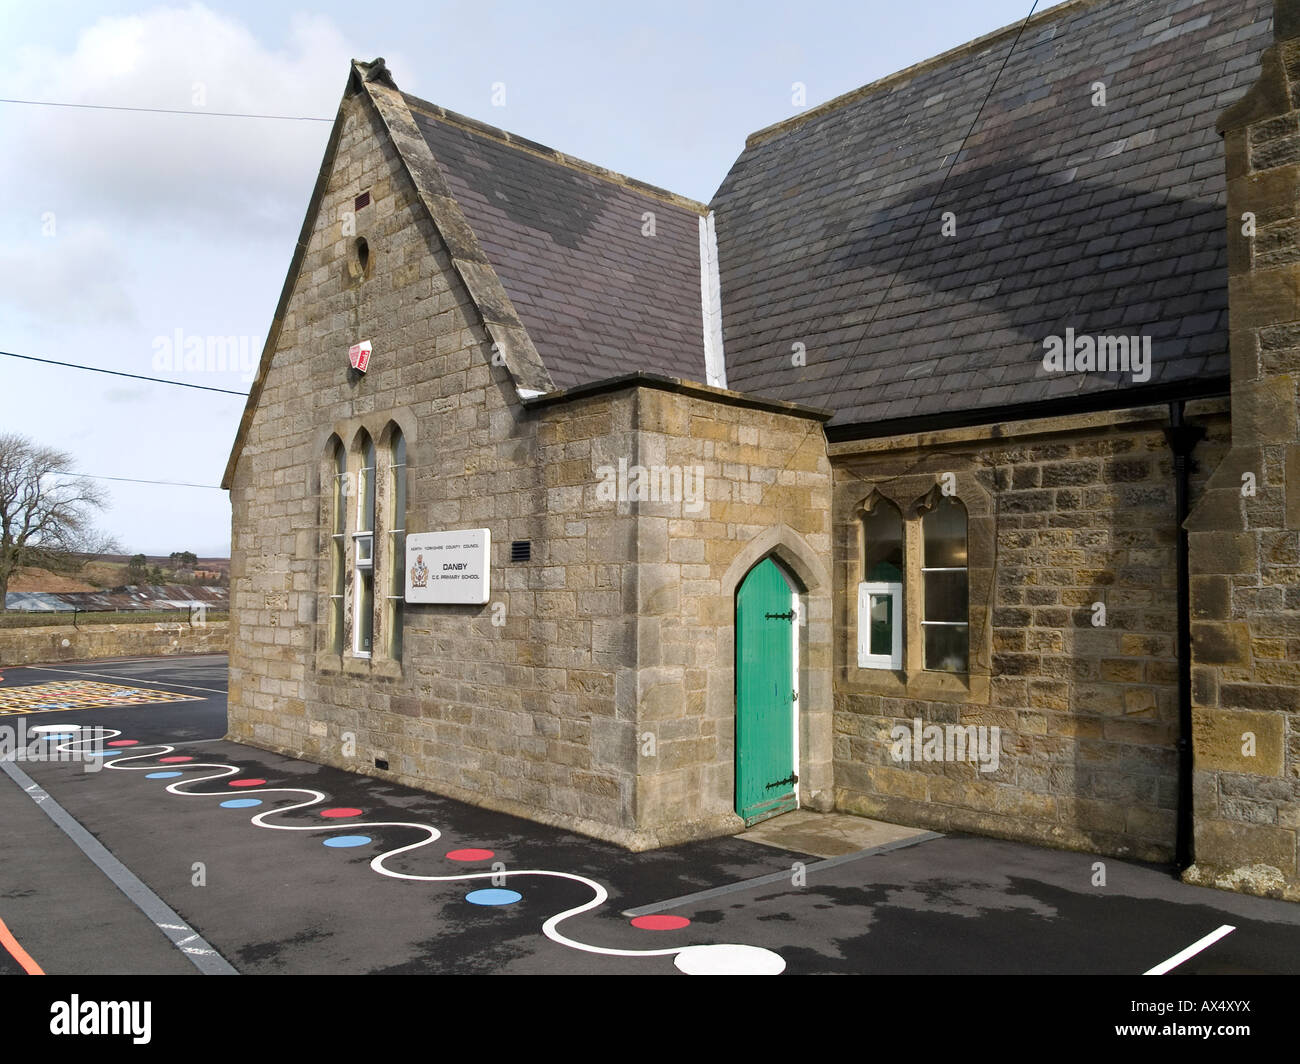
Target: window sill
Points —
{"points": [[328, 662], [921, 685], [349, 664]]}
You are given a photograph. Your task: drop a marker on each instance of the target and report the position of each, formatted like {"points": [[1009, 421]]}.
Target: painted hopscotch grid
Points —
{"points": [[80, 694]]}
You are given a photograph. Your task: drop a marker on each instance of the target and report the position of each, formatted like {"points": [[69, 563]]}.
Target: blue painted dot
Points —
{"points": [[239, 803], [96, 753], [59, 735], [493, 896], [341, 841], [162, 775]]}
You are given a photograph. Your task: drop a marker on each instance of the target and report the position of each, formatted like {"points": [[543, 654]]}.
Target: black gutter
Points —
{"points": [[1182, 441], [1089, 403]]}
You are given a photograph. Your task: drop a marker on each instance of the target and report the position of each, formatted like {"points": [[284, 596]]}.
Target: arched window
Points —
{"points": [[338, 543], [880, 595], [363, 617], [396, 542], [945, 618]]}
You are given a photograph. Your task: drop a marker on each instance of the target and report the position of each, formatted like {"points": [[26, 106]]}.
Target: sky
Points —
{"points": [[123, 233]]}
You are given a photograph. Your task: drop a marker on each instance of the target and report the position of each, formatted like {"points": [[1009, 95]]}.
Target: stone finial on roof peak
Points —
{"points": [[375, 70]]}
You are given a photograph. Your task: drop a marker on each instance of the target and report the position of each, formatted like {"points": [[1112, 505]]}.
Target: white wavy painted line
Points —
{"points": [[550, 928]]}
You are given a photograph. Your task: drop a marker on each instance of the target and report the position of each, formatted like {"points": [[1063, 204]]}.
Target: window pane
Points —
{"points": [[336, 594], [883, 533], [945, 648], [338, 498], [339, 507], [395, 611], [882, 625], [397, 564], [944, 529], [336, 626], [945, 596], [365, 619], [399, 481], [366, 507]]}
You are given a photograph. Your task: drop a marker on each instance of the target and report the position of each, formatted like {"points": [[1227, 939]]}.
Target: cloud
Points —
{"points": [[157, 169], [76, 277], [126, 395]]}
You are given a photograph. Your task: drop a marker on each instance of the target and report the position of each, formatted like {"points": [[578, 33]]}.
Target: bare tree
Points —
{"points": [[45, 519]]}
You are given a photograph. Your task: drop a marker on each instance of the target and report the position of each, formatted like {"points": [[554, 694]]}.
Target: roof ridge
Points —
{"points": [[531, 147], [854, 95]]}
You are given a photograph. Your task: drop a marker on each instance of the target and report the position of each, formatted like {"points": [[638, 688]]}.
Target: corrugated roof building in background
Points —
{"points": [[127, 597]]}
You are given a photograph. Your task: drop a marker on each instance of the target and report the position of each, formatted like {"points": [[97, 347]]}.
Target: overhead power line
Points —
{"points": [[135, 480], [119, 373], [166, 110]]}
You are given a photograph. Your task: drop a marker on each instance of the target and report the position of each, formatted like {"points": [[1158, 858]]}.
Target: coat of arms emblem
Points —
{"points": [[419, 572]]}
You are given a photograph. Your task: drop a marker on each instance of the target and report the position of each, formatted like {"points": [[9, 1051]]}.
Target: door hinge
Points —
{"points": [[790, 780], [787, 616]]}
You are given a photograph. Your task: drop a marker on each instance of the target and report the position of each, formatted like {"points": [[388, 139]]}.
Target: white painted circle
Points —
{"points": [[727, 959], [55, 728], [67, 643]]}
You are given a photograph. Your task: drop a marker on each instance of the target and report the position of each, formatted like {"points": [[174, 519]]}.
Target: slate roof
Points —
{"points": [[597, 297], [1107, 219]]}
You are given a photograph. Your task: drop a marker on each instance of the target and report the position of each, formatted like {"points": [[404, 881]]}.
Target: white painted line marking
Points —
{"points": [[125, 681], [1192, 950], [206, 959]]}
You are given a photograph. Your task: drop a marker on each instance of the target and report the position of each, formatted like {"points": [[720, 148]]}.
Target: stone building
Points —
{"points": [[944, 468]]}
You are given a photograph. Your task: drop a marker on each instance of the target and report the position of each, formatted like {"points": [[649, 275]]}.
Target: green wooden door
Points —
{"points": [[765, 771]]}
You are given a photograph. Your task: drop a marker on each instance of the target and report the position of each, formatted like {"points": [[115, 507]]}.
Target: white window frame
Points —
{"points": [[365, 546], [338, 550], [394, 615], [364, 563], [867, 590]]}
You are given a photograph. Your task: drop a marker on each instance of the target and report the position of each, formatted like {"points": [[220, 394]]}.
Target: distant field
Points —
{"points": [[43, 580], [111, 571]]}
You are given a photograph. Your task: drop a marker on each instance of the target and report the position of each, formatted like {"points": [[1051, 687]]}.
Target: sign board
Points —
{"points": [[448, 566], [359, 356]]}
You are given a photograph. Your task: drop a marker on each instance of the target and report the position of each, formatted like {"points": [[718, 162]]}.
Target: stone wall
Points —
{"points": [[1245, 536], [1062, 515], [766, 492], [526, 704], [614, 639], [65, 642]]}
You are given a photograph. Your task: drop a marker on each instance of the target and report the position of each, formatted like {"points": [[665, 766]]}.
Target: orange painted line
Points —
{"points": [[17, 952]]}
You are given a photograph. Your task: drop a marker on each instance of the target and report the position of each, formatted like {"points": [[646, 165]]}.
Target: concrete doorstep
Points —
{"points": [[826, 834]]}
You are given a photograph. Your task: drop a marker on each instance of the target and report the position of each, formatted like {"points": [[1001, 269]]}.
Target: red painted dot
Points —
{"points": [[247, 783], [470, 855], [124, 742], [340, 812], [659, 923], [173, 760]]}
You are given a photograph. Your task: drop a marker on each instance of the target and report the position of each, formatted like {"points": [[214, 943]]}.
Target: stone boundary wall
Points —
{"points": [[64, 642]]}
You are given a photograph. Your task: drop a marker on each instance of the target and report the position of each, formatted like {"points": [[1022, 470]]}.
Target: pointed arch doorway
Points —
{"points": [[767, 627]]}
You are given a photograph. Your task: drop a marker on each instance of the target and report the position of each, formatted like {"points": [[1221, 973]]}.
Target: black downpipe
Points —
{"points": [[1183, 439]]}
